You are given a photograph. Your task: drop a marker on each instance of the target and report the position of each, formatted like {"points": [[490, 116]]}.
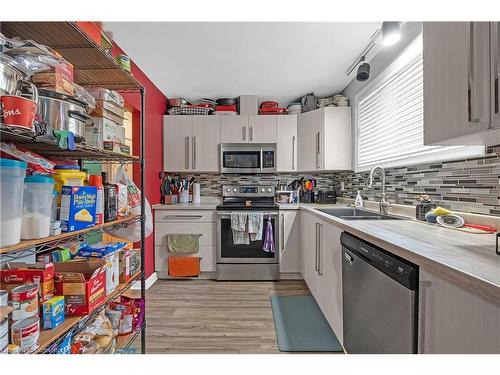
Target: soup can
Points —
{"points": [[24, 300], [25, 334], [4, 297]]}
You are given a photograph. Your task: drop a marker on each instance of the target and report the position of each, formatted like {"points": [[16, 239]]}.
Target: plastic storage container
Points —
{"points": [[12, 173], [37, 207], [67, 175]]}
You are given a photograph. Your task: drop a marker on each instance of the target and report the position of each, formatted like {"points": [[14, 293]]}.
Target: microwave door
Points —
{"points": [[241, 161]]}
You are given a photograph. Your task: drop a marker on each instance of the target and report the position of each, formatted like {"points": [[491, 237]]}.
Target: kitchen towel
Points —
{"points": [[239, 228], [269, 239], [183, 266], [183, 243], [255, 225]]}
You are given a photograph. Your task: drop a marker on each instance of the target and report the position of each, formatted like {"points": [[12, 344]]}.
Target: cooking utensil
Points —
{"points": [[226, 101], [486, 228]]}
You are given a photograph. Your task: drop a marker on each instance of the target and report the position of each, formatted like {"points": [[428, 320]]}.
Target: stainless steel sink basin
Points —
{"points": [[351, 213]]}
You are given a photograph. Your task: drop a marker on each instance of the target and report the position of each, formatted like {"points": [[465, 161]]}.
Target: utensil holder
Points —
{"points": [[184, 196], [169, 199]]}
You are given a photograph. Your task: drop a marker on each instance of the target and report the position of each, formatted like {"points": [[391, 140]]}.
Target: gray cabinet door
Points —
{"points": [[177, 143]]}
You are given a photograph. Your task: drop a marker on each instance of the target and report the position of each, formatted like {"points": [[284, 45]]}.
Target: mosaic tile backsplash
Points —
{"points": [[471, 185], [211, 183]]}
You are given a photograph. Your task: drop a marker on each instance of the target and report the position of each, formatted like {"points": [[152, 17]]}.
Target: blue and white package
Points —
{"points": [[78, 204]]}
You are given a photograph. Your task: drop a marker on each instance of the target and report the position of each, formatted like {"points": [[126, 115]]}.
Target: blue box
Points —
{"points": [[78, 204], [53, 312]]}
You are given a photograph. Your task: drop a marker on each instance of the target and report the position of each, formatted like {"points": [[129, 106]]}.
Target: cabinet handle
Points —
{"points": [[316, 263], [424, 285], [495, 40], [318, 151], [293, 153], [251, 133], [320, 250], [182, 217], [244, 133], [282, 233], [194, 152], [187, 152], [471, 94]]}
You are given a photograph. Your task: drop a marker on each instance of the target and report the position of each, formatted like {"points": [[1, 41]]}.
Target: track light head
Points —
{"points": [[363, 72]]}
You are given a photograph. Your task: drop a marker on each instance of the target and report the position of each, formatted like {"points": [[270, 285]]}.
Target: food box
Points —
{"points": [[82, 283], [53, 312], [78, 204], [110, 106], [116, 147], [135, 261], [101, 112], [14, 274], [124, 265], [103, 130], [54, 82]]}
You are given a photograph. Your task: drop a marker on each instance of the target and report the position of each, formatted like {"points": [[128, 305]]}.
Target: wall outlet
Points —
{"points": [[342, 186]]}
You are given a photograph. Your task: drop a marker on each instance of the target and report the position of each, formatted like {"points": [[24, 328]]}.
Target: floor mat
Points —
{"points": [[301, 326]]}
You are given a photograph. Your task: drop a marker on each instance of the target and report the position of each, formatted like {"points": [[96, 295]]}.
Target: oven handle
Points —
{"points": [[227, 214]]}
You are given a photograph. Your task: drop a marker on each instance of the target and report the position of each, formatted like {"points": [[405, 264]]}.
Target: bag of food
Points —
{"points": [[132, 232]]}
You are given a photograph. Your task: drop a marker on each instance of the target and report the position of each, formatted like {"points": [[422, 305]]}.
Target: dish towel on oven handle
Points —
{"points": [[255, 225], [239, 228], [269, 238]]}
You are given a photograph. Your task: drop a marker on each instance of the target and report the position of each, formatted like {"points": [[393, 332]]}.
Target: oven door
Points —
{"points": [[227, 252]]}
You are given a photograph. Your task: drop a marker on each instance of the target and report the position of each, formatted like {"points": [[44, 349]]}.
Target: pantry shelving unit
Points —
{"points": [[93, 67]]}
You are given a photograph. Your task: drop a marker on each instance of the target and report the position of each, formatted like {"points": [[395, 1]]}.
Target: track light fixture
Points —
{"points": [[390, 33]]}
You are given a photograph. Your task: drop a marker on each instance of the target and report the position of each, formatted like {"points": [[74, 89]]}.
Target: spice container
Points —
{"points": [[12, 173], [110, 199], [37, 207]]}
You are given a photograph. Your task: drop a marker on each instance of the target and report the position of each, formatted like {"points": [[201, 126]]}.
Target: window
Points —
{"points": [[389, 117]]}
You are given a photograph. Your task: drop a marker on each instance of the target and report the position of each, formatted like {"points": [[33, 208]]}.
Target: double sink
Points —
{"points": [[351, 213]]}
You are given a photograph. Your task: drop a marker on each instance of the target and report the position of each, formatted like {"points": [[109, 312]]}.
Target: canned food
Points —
{"points": [[4, 334], [24, 300], [4, 296], [25, 334]]}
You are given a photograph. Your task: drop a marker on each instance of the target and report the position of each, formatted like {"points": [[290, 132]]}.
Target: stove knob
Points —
{"points": [[235, 190], [269, 190], [228, 190], [263, 190]]}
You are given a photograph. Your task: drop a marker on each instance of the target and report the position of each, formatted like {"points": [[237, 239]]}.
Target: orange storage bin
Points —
{"points": [[183, 266]]}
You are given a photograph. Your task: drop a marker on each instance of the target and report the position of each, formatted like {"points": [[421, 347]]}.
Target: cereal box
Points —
{"points": [[78, 204], [53, 312]]}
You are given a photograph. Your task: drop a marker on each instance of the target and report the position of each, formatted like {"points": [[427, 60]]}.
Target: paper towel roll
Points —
{"points": [[196, 193]]}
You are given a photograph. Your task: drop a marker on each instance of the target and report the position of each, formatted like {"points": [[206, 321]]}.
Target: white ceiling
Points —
{"points": [[277, 61]]}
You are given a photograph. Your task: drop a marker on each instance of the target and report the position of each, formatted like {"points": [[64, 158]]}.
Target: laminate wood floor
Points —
{"points": [[205, 316]]}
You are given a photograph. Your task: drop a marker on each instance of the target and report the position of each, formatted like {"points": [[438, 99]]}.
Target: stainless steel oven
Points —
{"points": [[248, 261], [248, 158]]}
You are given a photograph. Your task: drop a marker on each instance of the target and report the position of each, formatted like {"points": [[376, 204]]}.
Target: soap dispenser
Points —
{"points": [[358, 202]]}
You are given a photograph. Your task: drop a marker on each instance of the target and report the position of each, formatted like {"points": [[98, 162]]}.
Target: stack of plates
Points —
{"points": [[294, 108]]}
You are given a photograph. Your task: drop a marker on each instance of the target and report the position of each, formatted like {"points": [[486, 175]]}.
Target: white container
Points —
{"points": [[37, 207], [196, 193], [184, 196], [12, 173], [248, 105]]}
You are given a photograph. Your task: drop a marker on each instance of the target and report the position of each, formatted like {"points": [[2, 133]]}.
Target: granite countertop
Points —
{"points": [[464, 257]]}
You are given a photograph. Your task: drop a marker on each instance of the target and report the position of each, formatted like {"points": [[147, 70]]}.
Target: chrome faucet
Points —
{"points": [[383, 204]]}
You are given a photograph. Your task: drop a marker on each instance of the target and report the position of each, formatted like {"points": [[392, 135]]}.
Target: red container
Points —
{"points": [[226, 108], [18, 111], [269, 104], [272, 111]]}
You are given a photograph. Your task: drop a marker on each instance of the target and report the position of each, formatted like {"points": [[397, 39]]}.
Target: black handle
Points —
{"points": [[498, 250], [78, 116]]}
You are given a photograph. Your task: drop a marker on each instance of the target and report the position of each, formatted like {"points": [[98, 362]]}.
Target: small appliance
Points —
{"points": [[248, 158]]}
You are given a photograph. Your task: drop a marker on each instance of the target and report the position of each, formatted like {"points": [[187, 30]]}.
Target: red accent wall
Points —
{"points": [[155, 105]]}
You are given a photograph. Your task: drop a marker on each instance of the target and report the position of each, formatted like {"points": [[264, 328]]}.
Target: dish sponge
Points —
{"points": [[439, 211]]}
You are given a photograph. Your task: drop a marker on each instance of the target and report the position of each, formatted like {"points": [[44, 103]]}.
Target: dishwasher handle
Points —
{"points": [[348, 257]]}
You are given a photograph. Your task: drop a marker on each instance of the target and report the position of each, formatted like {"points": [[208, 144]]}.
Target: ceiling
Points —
{"points": [[276, 60]]}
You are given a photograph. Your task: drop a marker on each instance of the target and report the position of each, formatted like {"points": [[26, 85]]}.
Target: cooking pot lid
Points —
{"points": [[57, 95], [9, 61]]}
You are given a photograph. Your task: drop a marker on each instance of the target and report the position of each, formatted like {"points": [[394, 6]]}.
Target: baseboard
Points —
{"points": [[149, 282], [163, 275], [291, 276]]}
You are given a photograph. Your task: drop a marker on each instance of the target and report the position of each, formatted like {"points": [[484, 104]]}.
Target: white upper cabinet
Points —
{"points": [[286, 145], [262, 129], [177, 133], [459, 83], [324, 139], [205, 143], [191, 143], [234, 128]]}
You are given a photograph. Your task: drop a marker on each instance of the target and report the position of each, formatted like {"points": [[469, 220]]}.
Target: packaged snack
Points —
{"points": [[122, 198], [53, 312], [64, 346], [139, 305]]}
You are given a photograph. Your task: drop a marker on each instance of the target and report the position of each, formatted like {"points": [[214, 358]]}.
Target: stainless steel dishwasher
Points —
{"points": [[379, 292]]}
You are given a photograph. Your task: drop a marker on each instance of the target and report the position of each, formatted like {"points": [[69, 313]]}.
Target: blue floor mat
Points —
{"points": [[301, 326]]}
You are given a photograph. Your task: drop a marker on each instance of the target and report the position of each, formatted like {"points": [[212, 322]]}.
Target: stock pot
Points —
{"points": [[10, 73]]}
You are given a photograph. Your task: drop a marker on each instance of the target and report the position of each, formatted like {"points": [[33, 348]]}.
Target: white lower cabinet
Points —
{"points": [[290, 260], [322, 267], [185, 222], [455, 320]]}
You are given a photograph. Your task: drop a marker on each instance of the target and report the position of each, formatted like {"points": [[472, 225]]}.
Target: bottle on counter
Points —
{"points": [[110, 205], [358, 202], [96, 180]]}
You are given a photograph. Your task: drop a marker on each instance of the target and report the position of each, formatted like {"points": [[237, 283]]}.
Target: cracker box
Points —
{"points": [[78, 205], [124, 265], [82, 283], [14, 274], [53, 312]]}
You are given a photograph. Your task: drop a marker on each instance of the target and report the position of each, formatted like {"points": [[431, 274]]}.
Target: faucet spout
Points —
{"points": [[383, 204]]}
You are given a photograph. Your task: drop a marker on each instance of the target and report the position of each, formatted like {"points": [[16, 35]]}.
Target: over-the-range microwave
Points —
{"points": [[248, 158]]}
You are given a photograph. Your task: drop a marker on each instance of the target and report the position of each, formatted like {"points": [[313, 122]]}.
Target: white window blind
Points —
{"points": [[390, 115]]}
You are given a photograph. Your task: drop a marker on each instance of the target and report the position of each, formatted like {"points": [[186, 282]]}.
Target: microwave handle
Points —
{"points": [[261, 160]]}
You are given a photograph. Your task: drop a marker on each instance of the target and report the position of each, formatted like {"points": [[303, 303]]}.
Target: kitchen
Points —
{"points": [[340, 200]]}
